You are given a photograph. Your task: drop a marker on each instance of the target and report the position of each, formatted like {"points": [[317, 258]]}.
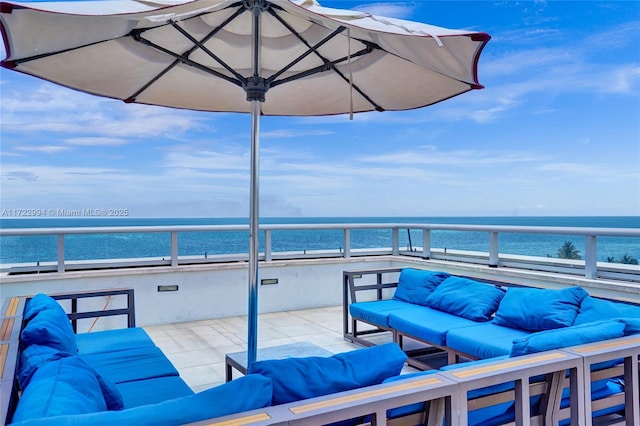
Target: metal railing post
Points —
{"points": [[174, 249], [267, 245], [395, 241], [426, 243], [493, 249], [60, 252], [590, 257], [347, 243]]}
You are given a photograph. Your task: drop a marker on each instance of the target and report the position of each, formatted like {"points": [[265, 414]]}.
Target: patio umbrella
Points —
{"points": [[263, 57]]}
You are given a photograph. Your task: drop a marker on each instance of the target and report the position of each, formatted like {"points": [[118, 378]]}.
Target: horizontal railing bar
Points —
{"points": [[587, 267], [611, 232]]}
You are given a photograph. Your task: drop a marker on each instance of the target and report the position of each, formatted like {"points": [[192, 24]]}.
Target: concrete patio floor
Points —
{"points": [[197, 349]]}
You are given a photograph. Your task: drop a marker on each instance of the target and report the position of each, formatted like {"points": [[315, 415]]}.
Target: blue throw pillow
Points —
{"points": [[295, 379], [415, 285], [38, 303], [538, 309], [466, 298], [61, 387], [242, 394], [112, 396], [631, 325], [594, 309], [567, 336], [50, 327], [32, 357]]}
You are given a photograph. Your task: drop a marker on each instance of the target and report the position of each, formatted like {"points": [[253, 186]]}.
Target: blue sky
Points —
{"points": [[555, 132]]}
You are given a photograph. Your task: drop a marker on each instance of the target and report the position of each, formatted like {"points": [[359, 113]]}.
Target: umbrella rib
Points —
{"points": [[187, 61], [330, 65], [133, 97], [327, 64], [136, 35], [15, 62], [201, 45], [312, 49]]}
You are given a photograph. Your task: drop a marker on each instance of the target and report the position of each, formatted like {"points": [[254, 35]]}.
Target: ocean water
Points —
{"points": [[113, 246]]}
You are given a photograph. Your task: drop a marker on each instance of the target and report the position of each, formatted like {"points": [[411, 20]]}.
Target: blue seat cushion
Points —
{"points": [[61, 387], [48, 325], [153, 391], [415, 285], [538, 309], [146, 362], [377, 312], [466, 298], [242, 394], [112, 340], [427, 324], [594, 309], [567, 336], [295, 379], [485, 340]]}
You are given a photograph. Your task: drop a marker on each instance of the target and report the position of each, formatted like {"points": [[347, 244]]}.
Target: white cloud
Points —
{"points": [[207, 160], [47, 149], [591, 172], [54, 109], [431, 155], [294, 133], [621, 80], [388, 9], [96, 141]]}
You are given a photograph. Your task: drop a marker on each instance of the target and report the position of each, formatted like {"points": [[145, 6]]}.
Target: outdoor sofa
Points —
{"points": [[487, 321], [59, 377]]}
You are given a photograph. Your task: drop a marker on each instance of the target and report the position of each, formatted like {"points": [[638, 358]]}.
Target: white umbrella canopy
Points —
{"points": [[155, 53], [266, 57]]}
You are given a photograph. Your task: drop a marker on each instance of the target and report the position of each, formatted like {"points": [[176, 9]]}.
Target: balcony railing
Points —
{"points": [[400, 245]]}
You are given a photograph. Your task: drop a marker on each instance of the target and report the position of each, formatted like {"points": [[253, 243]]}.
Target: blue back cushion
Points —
{"points": [[295, 379], [38, 303], [48, 325], [32, 357], [61, 387], [50, 328], [112, 396], [594, 309], [537, 309], [567, 336], [415, 285], [466, 298], [632, 325], [242, 394]]}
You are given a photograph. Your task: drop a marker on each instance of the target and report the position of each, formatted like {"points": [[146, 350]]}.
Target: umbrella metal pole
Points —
{"points": [[255, 90], [252, 333]]}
